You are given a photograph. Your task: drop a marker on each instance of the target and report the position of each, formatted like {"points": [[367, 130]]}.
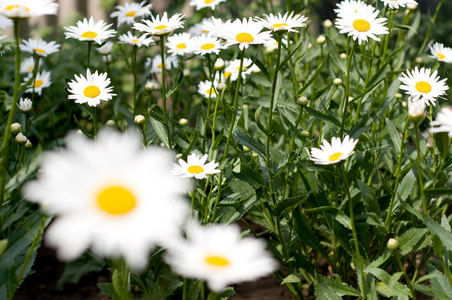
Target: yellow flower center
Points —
{"points": [[227, 74], [217, 261], [441, 56], [207, 46], [243, 68], [279, 25], [208, 1], [116, 200], [131, 13], [160, 66], [361, 25], [195, 169], [30, 69], [210, 91], [160, 27], [335, 156], [244, 37], [89, 35], [181, 46], [38, 83], [135, 40], [11, 7], [423, 87], [39, 50], [91, 91]]}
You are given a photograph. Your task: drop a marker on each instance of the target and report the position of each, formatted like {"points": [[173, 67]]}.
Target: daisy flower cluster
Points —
{"points": [[441, 53]]}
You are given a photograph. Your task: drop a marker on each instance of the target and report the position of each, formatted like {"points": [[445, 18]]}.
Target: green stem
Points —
{"points": [[419, 171], [347, 89], [386, 39], [430, 29], [408, 280], [135, 81], [219, 99], [121, 280], [90, 46], [163, 88], [94, 121]]}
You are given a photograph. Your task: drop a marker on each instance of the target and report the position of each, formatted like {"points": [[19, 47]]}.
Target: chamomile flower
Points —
{"points": [[24, 105], [362, 25], [131, 39], [207, 44], [213, 26], [161, 27], [219, 256], [441, 53], [200, 4], [272, 45], [207, 89], [126, 14], [232, 70], [423, 85], [156, 63], [334, 153], [283, 23], [416, 109], [90, 89], [195, 167], [349, 7], [244, 33], [109, 195], [42, 81], [106, 48], [39, 47], [89, 31], [179, 44], [395, 4], [27, 8], [443, 121], [5, 22], [28, 65]]}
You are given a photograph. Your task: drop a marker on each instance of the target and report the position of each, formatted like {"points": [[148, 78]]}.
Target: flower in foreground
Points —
{"points": [[283, 23], [196, 167], [179, 44], [219, 256], [131, 39], [441, 53], [160, 27], [200, 4], [42, 81], [89, 31], [126, 14], [443, 121], [111, 196], [398, 3], [335, 152], [207, 44], [421, 85], [243, 32], [90, 89], [362, 25], [27, 8], [207, 89], [39, 47]]}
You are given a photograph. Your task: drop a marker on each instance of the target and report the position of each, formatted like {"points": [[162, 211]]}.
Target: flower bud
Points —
{"points": [[304, 133], [245, 148], [416, 110], [393, 244], [24, 105], [327, 23], [21, 139], [219, 64], [337, 81], [139, 120], [350, 99], [28, 144], [110, 123], [303, 101], [187, 73], [149, 87], [309, 46], [398, 96], [15, 128], [419, 60], [221, 86], [183, 122], [106, 48], [343, 56], [404, 104], [412, 6], [321, 40]]}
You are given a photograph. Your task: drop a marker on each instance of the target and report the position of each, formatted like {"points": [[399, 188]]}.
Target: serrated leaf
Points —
{"points": [[410, 239], [106, 288], [321, 116], [394, 134], [277, 91], [262, 67], [339, 287], [161, 131], [249, 175], [335, 55], [292, 278], [245, 140], [406, 186], [306, 234], [179, 81], [439, 283], [323, 292], [288, 203], [435, 228]]}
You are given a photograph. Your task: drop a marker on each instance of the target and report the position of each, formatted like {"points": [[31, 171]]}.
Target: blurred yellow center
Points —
{"points": [[116, 200], [89, 35], [423, 87], [160, 27], [131, 13], [279, 25], [361, 25], [217, 261], [30, 69], [135, 40], [441, 56], [38, 83], [243, 68], [11, 7], [227, 74], [181, 46], [91, 91], [335, 156], [195, 169], [160, 66], [207, 46], [39, 50], [208, 1], [244, 38], [210, 92]]}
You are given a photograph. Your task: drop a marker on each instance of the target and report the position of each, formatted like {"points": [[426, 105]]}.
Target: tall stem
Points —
{"points": [[408, 280], [419, 171], [134, 71], [163, 88], [347, 89], [88, 59]]}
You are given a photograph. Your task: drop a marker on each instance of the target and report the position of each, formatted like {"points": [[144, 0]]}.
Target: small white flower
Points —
{"points": [[398, 3], [126, 14], [232, 70], [421, 85], [42, 81], [416, 109], [207, 44], [88, 30], [160, 27], [156, 63], [106, 48], [131, 39], [272, 45], [213, 26], [441, 53], [443, 121], [24, 105], [27, 8], [243, 32], [207, 89], [92, 89], [200, 4], [40, 47], [179, 44], [349, 7], [28, 65], [195, 167], [334, 153], [283, 23]]}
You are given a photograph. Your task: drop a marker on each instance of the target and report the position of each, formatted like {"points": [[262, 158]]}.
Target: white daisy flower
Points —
{"points": [[126, 14], [91, 89], [106, 48], [349, 7], [39, 47], [441, 53], [200, 4], [416, 109], [207, 44], [156, 63], [362, 25], [213, 26], [42, 81], [244, 33], [283, 23], [395, 4], [195, 167], [24, 105], [109, 195], [179, 44], [5, 22], [272, 45], [205, 88], [421, 85], [88, 30], [232, 70], [160, 27], [334, 153], [28, 65], [219, 256], [27, 8], [443, 121], [131, 39]]}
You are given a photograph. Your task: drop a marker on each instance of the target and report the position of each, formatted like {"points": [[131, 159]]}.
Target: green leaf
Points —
{"points": [[406, 186], [193, 142], [313, 78], [292, 278], [339, 287], [411, 238], [261, 66], [82, 129], [335, 55], [261, 126], [106, 288], [323, 292], [440, 283], [394, 134], [245, 140], [288, 203], [277, 90], [249, 175], [161, 131], [180, 78], [306, 234], [3, 246], [435, 228], [380, 260], [73, 271], [318, 115]]}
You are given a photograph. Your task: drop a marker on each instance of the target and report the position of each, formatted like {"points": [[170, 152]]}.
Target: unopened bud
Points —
{"points": [[110, 123], [219, 64], [337, 81], [419, 60], [183, 122], [246, 149], [187, 73], [404, 104], [343, 56], [139, 120], [149, 87], [305, 133], [350, 99], [321, 40], [393, 244], [14, 128], [28, 144], [327, 23], [398, 96], [24, 105], [303, 101], [21, 139], [309, 46], [412, 6], [416, 110], [221, 86]]}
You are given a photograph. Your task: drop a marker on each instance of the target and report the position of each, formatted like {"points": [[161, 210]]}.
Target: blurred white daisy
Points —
{"points": [[24, 105], [213, 26], [206, 89], [90, 89], [207, 44], [441, 53], [349, 7], [195, 167], [421, 85], [362, 25], [200, 4], [283, 23], [126, 14], [272, 45], [131, 39], [42, 81], [160, 27], [416, 109], [27, 8], [398, 3], [106, 48], [39, 47], [156, 63], [219, 256], [28, 65], [244, 33], [109, 195], [5, 22], [232, 70], [443, 121], [88, 30], [334, 153], [179, 44]]}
